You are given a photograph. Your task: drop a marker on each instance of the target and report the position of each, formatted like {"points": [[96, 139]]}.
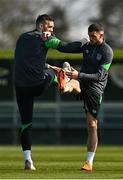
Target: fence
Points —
{"points": [[59, 119], [55, 117]]}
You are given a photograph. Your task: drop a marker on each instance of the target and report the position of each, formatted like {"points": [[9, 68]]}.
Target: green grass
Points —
{"points": [[6, 53], [54, 54], [61, 162]]}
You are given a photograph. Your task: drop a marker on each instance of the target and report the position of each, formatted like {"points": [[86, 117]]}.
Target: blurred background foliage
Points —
{"points": [[111, 15], [71, 18]]}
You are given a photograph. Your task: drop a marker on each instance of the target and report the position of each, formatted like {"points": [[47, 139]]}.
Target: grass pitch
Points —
{"points": [[61, 162]]}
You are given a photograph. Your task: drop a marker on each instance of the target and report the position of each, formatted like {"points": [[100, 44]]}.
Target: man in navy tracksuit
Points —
{"points": [[31, 78]]}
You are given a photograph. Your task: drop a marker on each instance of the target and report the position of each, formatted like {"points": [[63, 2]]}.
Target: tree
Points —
{"points": [[61, 24], [19, 16], [111, 17], [15, 16]]}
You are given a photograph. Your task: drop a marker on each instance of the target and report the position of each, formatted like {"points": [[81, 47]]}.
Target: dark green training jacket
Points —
{"points": [[30, 57]]}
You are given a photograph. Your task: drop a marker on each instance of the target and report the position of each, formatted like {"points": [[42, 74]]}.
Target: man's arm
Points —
{"points": [[72, 47], [100, 75], [55, 68], [102, 70]]}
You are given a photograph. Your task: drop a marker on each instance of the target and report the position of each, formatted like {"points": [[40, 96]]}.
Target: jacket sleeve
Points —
{"points": [[102, 70], [72, 47], [99, 76]]}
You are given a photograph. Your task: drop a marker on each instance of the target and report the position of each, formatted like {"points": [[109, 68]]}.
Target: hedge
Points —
{"points": [[54, 54]]}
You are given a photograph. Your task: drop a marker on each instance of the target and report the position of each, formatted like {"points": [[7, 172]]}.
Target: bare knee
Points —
{"points": [[74, 82], [91, 121], [75, 86]]}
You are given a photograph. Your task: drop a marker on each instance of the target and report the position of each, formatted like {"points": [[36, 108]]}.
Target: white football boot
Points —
{"points": [[67, 68], [29, 166]]}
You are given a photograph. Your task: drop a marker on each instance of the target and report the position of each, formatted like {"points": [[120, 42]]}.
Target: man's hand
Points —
{"points": [[73, 74], [55, 68], [45, 35]]}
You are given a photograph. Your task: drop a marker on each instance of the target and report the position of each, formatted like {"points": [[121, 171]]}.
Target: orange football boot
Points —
{"points": [[87, 166], [61, 80]]}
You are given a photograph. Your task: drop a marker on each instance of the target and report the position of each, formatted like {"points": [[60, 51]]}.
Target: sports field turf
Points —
{"points": [[61, 162]]}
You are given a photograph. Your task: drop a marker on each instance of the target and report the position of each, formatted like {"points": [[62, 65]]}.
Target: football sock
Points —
{"points": [[27, 155], [90, 156]]}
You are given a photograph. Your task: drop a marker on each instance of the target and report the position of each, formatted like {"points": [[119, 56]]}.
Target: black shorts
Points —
{"points": [[92, 101]]}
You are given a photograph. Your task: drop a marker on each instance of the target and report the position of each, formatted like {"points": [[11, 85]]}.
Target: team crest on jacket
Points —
{"points": [[99, 56], [87, 51]]}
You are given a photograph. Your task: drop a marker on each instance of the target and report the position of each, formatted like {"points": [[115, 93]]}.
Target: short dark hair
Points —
{"points": [[42, 18], [95, 27]]}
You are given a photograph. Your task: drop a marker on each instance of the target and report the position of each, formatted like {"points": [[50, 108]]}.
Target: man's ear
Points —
{"points": [[40, 26]]}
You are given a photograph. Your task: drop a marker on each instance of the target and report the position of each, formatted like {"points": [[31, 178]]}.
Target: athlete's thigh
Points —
{"points": [[49, 75]]}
